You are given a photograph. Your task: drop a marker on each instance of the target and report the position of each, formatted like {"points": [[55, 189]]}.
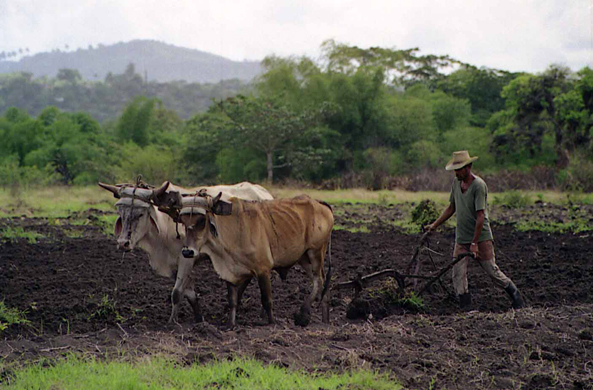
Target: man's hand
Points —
{"points": [[430, 227], [473, 248]]}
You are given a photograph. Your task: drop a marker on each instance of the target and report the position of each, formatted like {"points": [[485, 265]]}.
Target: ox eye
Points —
{"points": [[200, 223]]}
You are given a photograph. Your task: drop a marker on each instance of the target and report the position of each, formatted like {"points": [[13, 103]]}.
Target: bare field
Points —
{"points": [[81, 295]]}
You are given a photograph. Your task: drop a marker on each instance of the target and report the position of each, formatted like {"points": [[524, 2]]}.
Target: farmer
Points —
{"points": [[472, 234]]}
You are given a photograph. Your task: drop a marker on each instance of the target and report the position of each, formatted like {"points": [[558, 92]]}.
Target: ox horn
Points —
{"points": [[216, 199], [161, 190], [114, 189], [221, 207]]}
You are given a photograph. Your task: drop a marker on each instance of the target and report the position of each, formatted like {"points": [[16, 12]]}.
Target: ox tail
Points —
{"points": [[329, 268]]}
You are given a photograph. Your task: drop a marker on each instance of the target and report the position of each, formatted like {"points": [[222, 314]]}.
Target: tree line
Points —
{"points": [[355, 117], [105, 100]]}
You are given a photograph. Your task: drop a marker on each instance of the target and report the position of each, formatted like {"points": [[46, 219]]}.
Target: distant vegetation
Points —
{"points": [[375, 118], [105, 100]]}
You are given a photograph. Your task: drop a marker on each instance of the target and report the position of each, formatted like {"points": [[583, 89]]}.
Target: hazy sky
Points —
{"points": [[515, 35]]}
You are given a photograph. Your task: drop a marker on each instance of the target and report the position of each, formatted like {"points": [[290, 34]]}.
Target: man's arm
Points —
{"points": [[477, 231], [447, 213]]}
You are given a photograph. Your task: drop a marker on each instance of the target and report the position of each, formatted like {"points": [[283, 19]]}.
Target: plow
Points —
{"points": [[412, 274]]}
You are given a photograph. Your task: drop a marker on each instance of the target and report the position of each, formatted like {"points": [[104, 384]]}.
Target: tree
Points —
{"points": [[532, 101], [403, 67], [202, 140], [69, 75], [449, 112], [409, 120], [64, 147], [165, 126], [266, 126], [481, 87], [134, 122]]}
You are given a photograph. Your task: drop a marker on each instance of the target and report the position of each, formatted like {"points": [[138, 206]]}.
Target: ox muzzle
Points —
{"points": [[188, 253]]}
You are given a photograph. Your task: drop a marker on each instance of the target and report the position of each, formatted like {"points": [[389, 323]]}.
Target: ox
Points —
{"points": [[141, 224], [246, 239]]}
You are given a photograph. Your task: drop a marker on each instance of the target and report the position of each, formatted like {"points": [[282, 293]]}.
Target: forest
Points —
{"points": [[376, 118]]}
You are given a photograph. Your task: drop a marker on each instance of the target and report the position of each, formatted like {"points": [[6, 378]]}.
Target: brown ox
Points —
{"points": [[141, 224], [249, 239]]}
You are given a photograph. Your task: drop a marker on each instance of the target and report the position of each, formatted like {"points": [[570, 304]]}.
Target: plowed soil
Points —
{"points": [[82, 295]]}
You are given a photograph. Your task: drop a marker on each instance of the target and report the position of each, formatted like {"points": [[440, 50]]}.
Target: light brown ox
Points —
{"points": [[246, 239], [141, 224]]}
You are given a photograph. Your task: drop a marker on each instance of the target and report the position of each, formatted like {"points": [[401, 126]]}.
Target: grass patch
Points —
{"points": [[54, 202], [13, 234], [579, 198], [61, 202], [513, 199], [106, 310], [72, 233], [11, 316], [577, 226], [159, 373], [106, 222], [407, 226], [358, 229]]}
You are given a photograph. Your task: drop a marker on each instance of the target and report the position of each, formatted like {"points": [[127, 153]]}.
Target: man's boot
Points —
{"points": [[465, 302], [515, 295]]}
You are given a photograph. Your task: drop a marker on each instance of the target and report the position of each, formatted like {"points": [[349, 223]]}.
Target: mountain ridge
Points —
{"points": [[155, 60]]}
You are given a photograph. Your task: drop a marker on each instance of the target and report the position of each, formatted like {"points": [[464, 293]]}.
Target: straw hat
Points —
{"points": [[459, 160]]}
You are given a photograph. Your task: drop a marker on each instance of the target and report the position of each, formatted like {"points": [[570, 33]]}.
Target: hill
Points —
{"points": [[155, 61]]}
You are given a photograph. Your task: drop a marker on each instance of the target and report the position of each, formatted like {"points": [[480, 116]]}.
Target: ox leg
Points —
{"points": [[233, 293], [265, 287], [182, 282], [317, 275], [192, 298], [241, 290], [317, 259], [325, 307], [304, 316]]}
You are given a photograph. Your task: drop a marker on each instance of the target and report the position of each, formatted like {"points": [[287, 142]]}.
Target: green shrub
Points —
{"points": [[425, 213], [11, 316], [106, 310], [424, 153], [378, 160], [11, 174], [388, 290], [155, 164], [513, 199], [579, 175], [412, 302]]}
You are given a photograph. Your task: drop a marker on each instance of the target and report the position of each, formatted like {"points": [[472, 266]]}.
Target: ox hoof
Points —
{"points": [[302, 319]]}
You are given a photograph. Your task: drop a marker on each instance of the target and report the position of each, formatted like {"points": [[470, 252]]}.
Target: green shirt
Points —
{"points": [[466, 206]]}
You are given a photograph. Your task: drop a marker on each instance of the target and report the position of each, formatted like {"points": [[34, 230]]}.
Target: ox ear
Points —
{"points": [[213, 229], [220, 207], [117, 229]]}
